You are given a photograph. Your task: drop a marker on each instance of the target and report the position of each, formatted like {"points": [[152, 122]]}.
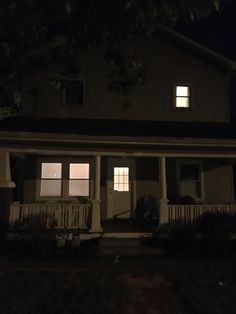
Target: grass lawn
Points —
{"points": [[160, 285]]}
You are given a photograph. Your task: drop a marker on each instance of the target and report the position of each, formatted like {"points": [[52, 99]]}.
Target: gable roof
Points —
{"points": [[197, 48]]}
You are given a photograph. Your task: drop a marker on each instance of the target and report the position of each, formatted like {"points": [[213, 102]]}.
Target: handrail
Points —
{"points": [[119, 214]]}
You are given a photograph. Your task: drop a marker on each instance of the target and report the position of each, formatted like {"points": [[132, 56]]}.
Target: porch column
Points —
{"points": [[6, 186], [162, 166], [96, 208], [163, 209]]}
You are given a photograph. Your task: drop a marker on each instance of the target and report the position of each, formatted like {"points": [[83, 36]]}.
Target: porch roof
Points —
{"points": [[130, 128], [76, 137]]}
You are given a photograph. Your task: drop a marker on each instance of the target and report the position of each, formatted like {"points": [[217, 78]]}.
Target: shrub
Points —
{"points": [[216, 224], [215, 230]]}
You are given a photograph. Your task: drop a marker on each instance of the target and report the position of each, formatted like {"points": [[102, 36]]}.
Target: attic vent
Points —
{"points": [[74, 92]]}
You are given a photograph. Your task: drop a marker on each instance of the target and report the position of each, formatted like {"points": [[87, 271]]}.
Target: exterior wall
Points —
{"points": [[218, 181], [30, 168], [165, 64], [171, 173], [147, 178]]}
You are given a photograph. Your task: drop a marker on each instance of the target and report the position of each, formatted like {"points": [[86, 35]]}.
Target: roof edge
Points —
{"points": [[196, 46]]}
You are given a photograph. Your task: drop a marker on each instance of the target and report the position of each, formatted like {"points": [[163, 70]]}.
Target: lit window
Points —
{"points": [[79, 179], [121, 179], [74, 92], [182, 96], [51, 174], [64, 179]]}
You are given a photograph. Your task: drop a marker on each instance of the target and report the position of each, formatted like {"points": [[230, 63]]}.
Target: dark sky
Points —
{"points": [[218, 31]]}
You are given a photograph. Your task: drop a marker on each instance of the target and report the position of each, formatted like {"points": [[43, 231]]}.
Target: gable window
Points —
{"points": [[74, 92], [63, 179], [182, 96]]}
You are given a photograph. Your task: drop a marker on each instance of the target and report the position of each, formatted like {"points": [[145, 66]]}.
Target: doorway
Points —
{"points": [[120, 187]]}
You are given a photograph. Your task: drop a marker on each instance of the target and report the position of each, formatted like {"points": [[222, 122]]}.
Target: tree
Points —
{"points": [[28, 24]]}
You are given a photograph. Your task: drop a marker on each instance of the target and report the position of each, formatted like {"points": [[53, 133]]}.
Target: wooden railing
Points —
{"points": [[51, 215], [188, 213]]}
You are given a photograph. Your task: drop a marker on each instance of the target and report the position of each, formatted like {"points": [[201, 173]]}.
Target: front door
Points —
{"points": [[120, 187]]}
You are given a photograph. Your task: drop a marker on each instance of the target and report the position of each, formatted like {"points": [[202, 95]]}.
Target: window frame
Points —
{"points": [[68, 105], [201, 176], [50, 179], [78, 179], [65, 178], [190, 97]]}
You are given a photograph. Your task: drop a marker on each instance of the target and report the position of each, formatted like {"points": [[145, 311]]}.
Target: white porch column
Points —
{"points": [[5, 171], [163, 209], [96, 208], [162, 167], [6, 191]]}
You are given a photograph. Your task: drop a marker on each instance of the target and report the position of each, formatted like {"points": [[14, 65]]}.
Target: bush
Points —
{"points": [[216, 224], [215, 230], [209, 236], [174, 239], [31, 239]]}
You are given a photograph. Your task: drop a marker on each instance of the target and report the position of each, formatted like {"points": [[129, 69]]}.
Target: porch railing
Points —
{"points": [[188, 213], [58, 216]]}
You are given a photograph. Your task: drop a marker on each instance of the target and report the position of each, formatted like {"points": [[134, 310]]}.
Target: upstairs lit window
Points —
{"points": [[182, 96], [74, 92]]}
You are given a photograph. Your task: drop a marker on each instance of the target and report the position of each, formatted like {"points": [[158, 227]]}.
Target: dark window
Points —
{"points": [[74, 92], [189, 172]]}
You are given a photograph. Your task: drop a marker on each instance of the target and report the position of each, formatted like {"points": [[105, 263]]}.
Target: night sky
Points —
{"points": [[218, 31]]}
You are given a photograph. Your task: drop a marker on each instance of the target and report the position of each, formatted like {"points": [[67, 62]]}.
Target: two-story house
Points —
{"points": [[84, 156]]}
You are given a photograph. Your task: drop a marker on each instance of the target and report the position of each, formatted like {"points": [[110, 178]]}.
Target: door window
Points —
{"points": [[121, 179]]}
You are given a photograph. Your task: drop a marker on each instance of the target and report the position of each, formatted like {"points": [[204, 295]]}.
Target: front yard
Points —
{"points": [[146, 285]]}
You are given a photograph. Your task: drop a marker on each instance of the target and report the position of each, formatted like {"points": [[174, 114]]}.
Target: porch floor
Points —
{"points": [[122, 225]]}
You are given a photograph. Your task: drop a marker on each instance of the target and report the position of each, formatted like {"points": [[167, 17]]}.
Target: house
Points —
{"points": [[84, 157]]}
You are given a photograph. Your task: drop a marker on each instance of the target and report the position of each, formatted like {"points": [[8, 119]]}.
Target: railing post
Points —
{"points": [[96, 204]]}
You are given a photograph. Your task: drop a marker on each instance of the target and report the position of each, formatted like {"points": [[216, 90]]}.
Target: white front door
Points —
{"points": [[120, 187]]}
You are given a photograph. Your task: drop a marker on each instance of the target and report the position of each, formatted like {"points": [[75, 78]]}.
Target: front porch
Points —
{"points": [[96, 214]]}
